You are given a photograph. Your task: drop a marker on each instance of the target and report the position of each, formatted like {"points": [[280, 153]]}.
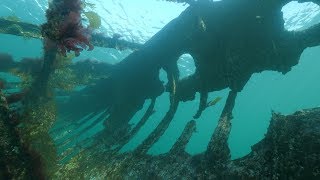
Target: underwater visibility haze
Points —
{"points": [[159, 89]]}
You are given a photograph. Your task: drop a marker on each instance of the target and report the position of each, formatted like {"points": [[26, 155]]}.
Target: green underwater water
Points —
{"points": [[264, 93]]}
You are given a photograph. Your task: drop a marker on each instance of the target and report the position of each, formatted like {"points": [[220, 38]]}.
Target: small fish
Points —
{"points": [[202, 25], [214, 101], [174, 87]]}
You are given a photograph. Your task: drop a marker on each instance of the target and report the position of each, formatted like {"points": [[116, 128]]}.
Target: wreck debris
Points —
{"points": [[288, 151], [160, 129], [182, 141], [283, 153], [136, 129], [223, 59]]}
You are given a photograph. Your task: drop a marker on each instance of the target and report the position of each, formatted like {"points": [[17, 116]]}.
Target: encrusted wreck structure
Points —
{"points": [[220, 36]]}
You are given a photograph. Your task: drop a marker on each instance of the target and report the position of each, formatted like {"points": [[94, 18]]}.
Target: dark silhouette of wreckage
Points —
{"points": [[229, 41]]}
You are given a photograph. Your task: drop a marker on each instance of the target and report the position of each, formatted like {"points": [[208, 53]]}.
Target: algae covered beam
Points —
{"points": [[33, 31], [218, 150], [19, 28], [107, 42]]}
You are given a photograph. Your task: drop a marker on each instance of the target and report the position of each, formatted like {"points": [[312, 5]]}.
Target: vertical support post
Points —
{"points": [[218, 150]]}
